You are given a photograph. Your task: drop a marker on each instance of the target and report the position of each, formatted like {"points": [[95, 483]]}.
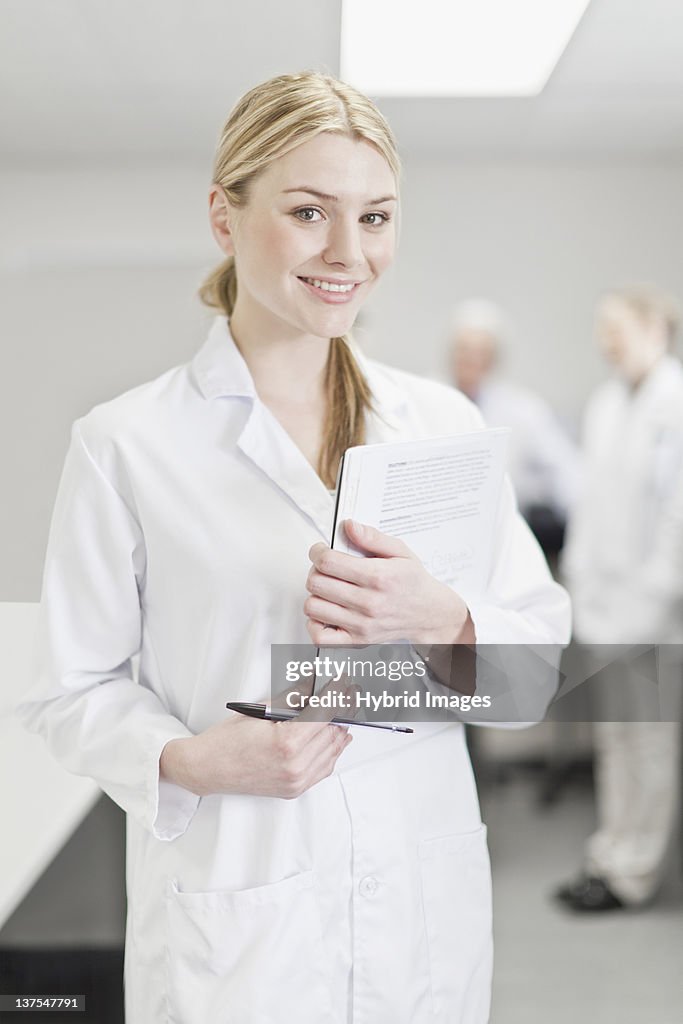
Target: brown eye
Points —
{"points": [[380, 218], [309, 214]]}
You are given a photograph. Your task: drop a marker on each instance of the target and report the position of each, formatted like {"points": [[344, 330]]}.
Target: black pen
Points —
{"points": [[283, 715]]}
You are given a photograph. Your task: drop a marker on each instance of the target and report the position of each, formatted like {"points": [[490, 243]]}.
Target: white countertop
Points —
{"points": [[42, 803]]}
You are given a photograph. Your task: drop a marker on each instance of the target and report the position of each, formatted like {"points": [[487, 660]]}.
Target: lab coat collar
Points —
{"points": [[665, 374], [666, 371], [221, 372], [219, 368]]}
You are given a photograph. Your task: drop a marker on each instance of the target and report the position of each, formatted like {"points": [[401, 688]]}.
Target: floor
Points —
{"points": [[555, 968], [94, 974], [551, 967]]}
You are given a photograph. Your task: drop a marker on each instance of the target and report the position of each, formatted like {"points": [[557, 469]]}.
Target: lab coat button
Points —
{"points": [[368, 886]]}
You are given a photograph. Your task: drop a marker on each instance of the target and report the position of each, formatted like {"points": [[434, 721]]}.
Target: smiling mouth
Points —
{"points": [[341, 287]]}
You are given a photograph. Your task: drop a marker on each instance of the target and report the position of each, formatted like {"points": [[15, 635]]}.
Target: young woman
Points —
{"points": [[273, 874], [622, 564]]}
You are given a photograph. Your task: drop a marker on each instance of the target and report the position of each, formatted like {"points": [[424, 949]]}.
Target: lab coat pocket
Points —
{"points": [[456, 893], [247, 956]]}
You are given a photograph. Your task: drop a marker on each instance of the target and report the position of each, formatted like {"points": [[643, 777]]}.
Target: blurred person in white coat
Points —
{"points": [[542, 460], [623, 563], [274, 873]]}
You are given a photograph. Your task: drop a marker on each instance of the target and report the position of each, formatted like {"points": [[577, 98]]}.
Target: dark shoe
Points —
{"points": [[592, 894], [570, 890]]}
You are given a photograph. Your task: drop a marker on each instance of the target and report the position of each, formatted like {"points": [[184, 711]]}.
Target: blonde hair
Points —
{"points": [[270, 120], [651, 305]]}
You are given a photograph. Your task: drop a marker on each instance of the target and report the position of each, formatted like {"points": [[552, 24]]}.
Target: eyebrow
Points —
{"points": [[335, 199]]}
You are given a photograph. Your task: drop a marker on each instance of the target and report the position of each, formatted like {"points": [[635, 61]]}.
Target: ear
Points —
{"points": [[221, 216]]}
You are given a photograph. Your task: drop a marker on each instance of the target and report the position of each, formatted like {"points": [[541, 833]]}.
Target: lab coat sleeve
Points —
{"points": [[522, 603], [521, 624], [653, 611], [578, 553], [95, 718]]}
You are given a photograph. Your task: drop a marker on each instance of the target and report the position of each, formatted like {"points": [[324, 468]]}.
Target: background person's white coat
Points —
{"points": [[624, 554], [543, 462], [624, 567], [181, 530]]}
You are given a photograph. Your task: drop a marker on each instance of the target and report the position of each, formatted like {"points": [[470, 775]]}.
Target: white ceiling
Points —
{"points": [[140, 79]]}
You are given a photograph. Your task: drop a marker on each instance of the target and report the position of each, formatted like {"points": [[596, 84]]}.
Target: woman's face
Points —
{"points": [[315, 236], [631, 345]]}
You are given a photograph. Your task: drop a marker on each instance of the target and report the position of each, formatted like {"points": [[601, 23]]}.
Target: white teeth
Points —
{"points": [[326, 286]]}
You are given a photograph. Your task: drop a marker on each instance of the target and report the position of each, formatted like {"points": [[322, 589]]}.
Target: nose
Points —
{"points": [[343, 244]]}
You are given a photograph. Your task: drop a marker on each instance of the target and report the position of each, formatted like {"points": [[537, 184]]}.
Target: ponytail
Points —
{"points": [[219, 291], [348, 400]]}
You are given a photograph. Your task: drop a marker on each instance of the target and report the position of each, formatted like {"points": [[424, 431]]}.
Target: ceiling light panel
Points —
{"points": [[454, 47]]}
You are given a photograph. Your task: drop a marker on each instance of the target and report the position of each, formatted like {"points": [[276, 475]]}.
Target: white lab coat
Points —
{"points": [[181, 530], [624, 566], [542, 461], [623, 558]]}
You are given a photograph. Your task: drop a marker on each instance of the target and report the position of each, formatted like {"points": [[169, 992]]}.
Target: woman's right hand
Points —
{"points": [[256, 757]]}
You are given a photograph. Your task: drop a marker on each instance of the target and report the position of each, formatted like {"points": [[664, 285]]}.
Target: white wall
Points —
{"points": [[42, 803], [98, 273], [543, 240], [99, 269]]}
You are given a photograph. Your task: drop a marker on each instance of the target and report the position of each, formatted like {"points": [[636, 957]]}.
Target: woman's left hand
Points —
{"points": [[385, 597]]}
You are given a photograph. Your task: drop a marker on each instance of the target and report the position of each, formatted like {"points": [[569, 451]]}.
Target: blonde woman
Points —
{"points": [[623, 564], [275, 874]]}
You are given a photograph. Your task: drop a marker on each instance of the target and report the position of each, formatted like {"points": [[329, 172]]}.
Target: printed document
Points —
{"points": [[439, 495]]}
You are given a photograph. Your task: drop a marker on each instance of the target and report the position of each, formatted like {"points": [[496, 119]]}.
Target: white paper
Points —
{"points": [[439, 495]]}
